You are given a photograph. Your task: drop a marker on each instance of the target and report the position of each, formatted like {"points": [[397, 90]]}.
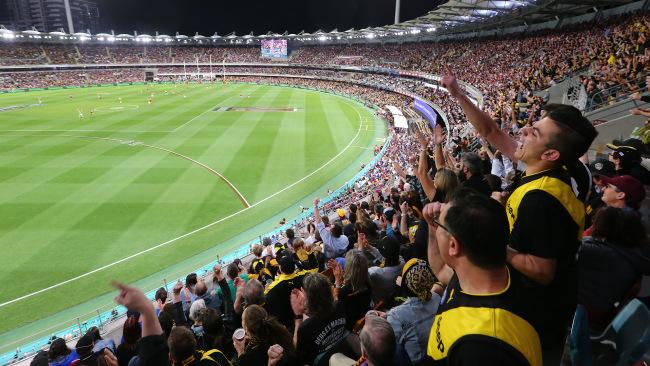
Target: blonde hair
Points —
{"points": [[257, 250], [446, 182], [298, 243], [356, 271]]}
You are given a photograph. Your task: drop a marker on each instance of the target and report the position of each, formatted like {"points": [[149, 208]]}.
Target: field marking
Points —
{"points": [[138, 143], [112, 131], [361, 120]]}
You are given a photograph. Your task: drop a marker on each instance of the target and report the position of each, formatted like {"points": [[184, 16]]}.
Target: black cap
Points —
{"points": [[632, 142], [602, 167], [287, 265], [389, 248]]}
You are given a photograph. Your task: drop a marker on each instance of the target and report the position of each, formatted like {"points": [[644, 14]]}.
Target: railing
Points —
{"points": [[614, 94], [109, 313]]}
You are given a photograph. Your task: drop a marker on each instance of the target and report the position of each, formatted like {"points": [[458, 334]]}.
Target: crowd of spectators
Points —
{"points": [[465, 244], [611, 52]]}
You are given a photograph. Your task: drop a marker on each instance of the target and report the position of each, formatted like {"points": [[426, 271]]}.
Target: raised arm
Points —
{"points": [[422, 172], [439, 138], [481, 121], [442, 271], [317, 217]]}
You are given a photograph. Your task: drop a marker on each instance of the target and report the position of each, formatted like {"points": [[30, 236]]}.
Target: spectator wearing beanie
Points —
{"points": [[277, 294], [411, 321]]}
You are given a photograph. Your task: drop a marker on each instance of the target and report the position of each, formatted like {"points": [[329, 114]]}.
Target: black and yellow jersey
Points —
{"points": [[492, 328], [556, 183]]}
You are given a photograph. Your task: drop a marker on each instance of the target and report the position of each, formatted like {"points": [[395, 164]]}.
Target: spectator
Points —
{"points": [[382, 278], [542, 200], [623, 191], [252, 294], [334, 242], [131, 334], [446, 183], [214, 333], [611, 262], [353, 284], [277, 294], [305, 259], [320, 331], [412, 320], [263, 331], [467, 251], [627, 161], [183, 350], [233, 271], [471, 174], [377, 342], [160, 298], [60, 354]]}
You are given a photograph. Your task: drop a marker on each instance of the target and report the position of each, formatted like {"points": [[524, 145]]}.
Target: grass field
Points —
{"points": [[78, 195]]}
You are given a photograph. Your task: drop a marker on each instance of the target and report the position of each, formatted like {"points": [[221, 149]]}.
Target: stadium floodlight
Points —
{"points": [[415, 31], [322, 38], [370, 35], [432, 29]]}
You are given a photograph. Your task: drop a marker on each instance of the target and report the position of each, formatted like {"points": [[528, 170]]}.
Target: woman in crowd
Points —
{"points": [[411, 321], [131, 333], [262, 331], [323, 327], [60, 354], [446, 183], [611, 262], [353, 284]]}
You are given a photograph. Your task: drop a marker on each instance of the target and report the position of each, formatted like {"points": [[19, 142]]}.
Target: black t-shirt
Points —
{"points": [[484, 351], [421, 241], [320, 334], [124, 354], [356, 305], [479, 184], [277, 300], [545, 229]]}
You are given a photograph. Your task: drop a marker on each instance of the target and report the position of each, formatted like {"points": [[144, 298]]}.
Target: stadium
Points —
{"points": [[391, 194]]}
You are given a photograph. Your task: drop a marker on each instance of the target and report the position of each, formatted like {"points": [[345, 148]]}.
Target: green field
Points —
{"points": [[85, 197]]}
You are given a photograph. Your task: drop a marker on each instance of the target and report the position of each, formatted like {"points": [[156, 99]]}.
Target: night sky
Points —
{"points": [[258, 16]]}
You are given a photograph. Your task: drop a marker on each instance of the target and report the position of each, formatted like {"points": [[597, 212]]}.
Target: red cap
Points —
{"points": [[632, 187]]}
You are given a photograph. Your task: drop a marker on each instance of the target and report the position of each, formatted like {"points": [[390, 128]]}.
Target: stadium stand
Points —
{"points": [[419, 213]]}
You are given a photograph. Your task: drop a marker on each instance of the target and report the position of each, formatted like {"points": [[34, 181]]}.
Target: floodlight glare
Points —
{"points": [[370, 35]]}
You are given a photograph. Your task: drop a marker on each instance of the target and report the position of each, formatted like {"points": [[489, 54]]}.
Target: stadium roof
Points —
{"points": [[453, 16]]}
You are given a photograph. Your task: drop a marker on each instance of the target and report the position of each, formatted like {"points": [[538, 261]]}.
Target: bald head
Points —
{"points": [[200, 288]]}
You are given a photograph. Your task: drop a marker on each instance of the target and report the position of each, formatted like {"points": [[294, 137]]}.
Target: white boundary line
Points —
{"points": [[111, 131], [86, 274]]}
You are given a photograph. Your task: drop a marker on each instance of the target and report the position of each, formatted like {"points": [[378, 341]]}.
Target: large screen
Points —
{"points": [[274, 48]]}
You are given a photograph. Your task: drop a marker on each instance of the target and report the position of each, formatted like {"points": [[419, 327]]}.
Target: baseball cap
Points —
{"points": [[626, 153], [631, 142], [632, 187], [287, 265], [389, 248], [602, 167]]}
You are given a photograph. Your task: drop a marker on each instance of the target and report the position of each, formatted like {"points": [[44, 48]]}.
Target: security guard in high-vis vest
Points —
{"points": [[482, 317]]}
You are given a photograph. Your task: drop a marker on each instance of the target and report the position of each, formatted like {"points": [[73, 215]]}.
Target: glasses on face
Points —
{"points": [[441, 225]]}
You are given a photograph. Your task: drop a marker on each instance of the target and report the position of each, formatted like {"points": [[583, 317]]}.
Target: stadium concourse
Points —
{"points": [[474, 242]]}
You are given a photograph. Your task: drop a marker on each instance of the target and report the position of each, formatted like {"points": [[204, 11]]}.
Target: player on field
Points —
{"points": [[81, 114]]}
